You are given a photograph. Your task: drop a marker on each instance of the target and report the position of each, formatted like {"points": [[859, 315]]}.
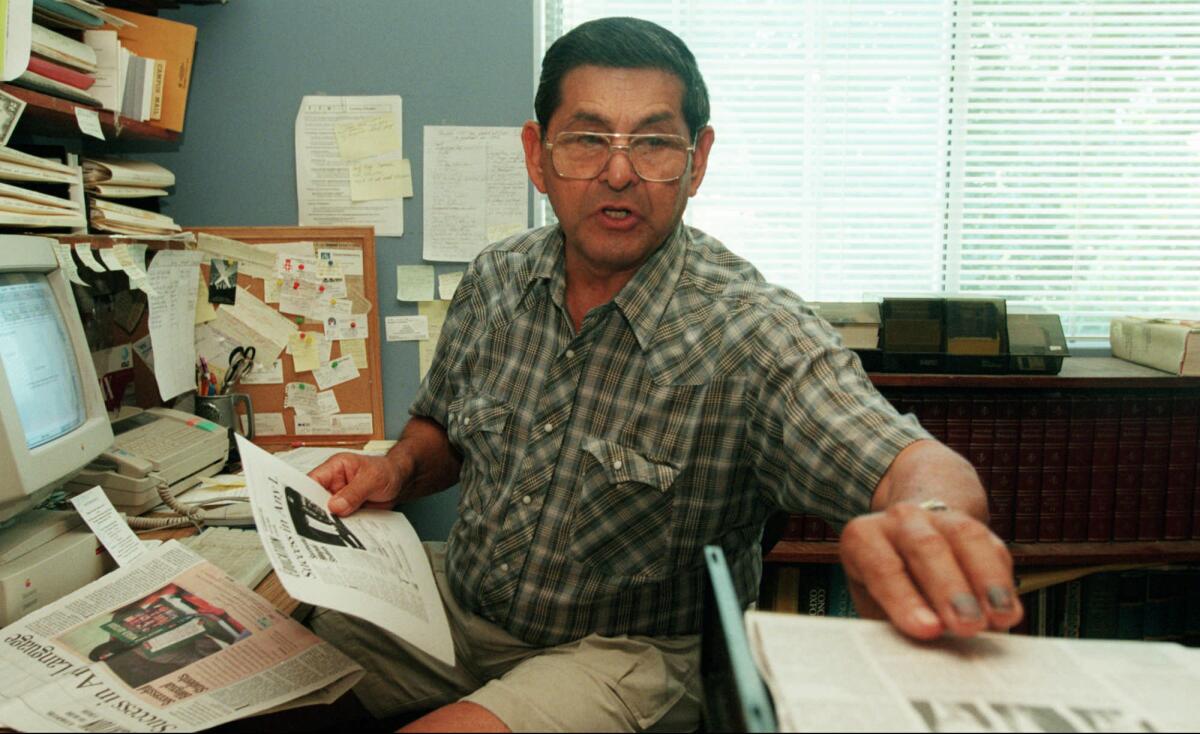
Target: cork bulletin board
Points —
{"points": [[361, 397]]}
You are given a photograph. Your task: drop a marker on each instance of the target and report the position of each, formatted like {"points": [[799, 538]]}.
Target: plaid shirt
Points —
{"points": [[595, 466]]}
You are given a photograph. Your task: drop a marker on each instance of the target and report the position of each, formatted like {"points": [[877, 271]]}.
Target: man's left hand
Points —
{"points": [[929, 572]]}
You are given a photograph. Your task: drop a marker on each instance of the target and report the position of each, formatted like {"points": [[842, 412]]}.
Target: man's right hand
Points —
{"points": [[356, 481]]}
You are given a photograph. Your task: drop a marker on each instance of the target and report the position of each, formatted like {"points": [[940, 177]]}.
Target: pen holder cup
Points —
{"points": [[222, 410]]}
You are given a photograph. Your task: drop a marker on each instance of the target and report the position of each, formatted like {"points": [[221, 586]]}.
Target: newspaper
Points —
{"points": [[832, 674], [167, 643], [370, 564]]}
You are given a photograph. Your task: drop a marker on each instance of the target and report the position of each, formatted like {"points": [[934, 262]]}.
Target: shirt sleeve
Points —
{"points": [[461, 329], [824, 435]]}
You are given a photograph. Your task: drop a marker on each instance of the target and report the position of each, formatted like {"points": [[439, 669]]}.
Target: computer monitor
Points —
{"points": [[52, 416]]}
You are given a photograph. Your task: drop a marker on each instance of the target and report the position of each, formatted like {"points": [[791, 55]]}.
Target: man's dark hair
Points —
{"points": [[622, 43]]}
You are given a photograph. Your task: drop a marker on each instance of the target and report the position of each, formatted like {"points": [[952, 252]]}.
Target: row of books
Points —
{"points": [[1161, 604], [35, 194], [1068, 466], [135, 65]]}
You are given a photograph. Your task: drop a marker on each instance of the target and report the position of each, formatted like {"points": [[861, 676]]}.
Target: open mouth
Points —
{"points": [[616, 213]]}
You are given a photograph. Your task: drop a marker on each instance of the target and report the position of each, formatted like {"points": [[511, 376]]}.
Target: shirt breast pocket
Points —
{"points": [[478, 425], [622, 522]]}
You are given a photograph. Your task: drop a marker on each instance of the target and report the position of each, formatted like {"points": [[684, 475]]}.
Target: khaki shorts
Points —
{"points": [[593, 684]]}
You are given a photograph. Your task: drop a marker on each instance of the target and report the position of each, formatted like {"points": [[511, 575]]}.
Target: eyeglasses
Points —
{"points": [[654, 157]]}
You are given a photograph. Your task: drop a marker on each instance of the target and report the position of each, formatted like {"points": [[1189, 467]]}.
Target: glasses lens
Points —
{"points": [[659, 157], [654, 157]]}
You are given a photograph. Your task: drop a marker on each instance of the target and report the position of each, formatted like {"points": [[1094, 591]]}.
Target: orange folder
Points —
{"points": [[175, 44]]}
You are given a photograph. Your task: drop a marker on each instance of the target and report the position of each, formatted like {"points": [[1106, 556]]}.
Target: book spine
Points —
{"points": [[1029, 468], [1002, 477], [931, 411], [983, 440], [814, 590], [1099, 606], [841, 604], [958, 423], [1156, 448], [814, 528], [1078, 479], [1182, 456], [1131, 604], [1054, 468], [1072, 609], [1131, 436], [1104, 467], [51, 70]]}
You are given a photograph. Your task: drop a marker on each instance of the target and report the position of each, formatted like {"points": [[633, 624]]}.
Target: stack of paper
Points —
{"points": [[106, 179], [30, 192]]}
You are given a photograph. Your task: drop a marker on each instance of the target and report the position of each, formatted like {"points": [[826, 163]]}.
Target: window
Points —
{"points": [[1046, 152]]}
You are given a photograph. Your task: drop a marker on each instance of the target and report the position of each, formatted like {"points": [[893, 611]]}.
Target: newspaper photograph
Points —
{"points": [[167, 643], [835, 674], [369, 564]]}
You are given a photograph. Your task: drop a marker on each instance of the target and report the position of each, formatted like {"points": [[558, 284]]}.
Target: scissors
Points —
{"points": [[241, 361]]}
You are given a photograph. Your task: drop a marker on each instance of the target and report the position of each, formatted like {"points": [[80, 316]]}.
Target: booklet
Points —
{"points": [[370, 564]]}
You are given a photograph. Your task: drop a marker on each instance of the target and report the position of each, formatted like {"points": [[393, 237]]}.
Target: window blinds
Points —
{"points": [[1047, 152]]}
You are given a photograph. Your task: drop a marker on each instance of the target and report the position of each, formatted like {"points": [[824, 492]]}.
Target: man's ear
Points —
{"points": [[704, 141], [535, 152]]}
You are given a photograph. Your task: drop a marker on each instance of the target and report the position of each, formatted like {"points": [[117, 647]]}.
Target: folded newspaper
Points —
{"points": [[371, 564], [831, 674], [166, 643]]}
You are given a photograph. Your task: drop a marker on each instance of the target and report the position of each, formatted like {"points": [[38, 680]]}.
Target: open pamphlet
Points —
{"points": [[370, 564], [165, 643], [833, 674]]}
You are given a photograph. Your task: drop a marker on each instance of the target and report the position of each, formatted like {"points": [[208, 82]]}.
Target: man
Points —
{"points": [[614, 392]]}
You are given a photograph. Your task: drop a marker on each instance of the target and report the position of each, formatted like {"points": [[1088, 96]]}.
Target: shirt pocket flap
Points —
{"points": [[622, 464], [478, 412]]}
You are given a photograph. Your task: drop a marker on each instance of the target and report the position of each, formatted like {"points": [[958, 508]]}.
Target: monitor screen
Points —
{"points": [[38, 359]]}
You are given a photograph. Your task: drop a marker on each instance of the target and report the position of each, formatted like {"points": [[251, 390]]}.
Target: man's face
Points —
{"points": [[614, 221]]}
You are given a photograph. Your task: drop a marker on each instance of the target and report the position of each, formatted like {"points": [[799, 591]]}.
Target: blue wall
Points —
{"points": [[454, 62]]}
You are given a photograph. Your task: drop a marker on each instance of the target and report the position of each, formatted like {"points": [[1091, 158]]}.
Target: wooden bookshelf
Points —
{"points": [[1026, 554], [1077, 372], [54, 116]]}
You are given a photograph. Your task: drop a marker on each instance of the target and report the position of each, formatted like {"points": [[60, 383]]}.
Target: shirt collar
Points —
{"points": [[644, 297]]}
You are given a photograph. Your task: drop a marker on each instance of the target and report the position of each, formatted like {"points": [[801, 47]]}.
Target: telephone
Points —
{"points": [[152, 447]]}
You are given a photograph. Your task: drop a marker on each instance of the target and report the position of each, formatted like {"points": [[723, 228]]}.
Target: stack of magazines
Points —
{"points": [[133, 182], [34, 192]]}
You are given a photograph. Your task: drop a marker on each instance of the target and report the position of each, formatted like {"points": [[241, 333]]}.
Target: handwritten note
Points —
{"points": [[371, 136], [414, 282], [370, 180], [476, 189], [304, 346], [171, 300], [448, 283]]}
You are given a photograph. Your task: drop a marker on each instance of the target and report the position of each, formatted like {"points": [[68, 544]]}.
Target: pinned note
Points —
{"points": [[414, 282], [335, 373], [406, 328], [370, 136], [355, 349], [448, 283], [304, 346], [375, 180]]}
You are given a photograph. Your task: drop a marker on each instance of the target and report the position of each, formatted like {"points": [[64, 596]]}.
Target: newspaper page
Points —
{"points": [[370, 564], [833, 674], [168, 643]]}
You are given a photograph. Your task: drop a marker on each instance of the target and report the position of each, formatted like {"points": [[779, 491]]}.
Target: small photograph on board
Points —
{"points": [[222, 281]]}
